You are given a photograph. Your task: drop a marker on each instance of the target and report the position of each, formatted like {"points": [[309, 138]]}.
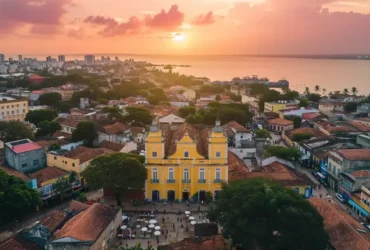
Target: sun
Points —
{"points": [[178, 37]]}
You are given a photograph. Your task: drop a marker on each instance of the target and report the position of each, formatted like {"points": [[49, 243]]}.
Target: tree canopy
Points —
{"points": [[119, 172], [50, 99], [15, 130], [138, 116], [186, 111], [16, 198], [302, 137], [85, 131], [36, 116], [313, 97], [290, 154], [156, 96], [259, 214], [350, 107], [47, 128], [297, 120], [263, 133]]}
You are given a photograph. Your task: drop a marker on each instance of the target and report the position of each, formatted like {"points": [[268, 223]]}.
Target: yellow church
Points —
{"points": [[184, 160]]}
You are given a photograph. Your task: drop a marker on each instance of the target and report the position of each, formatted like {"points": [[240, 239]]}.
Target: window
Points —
{"points": [[55, 157], [201, 174], [65, 162], [17, 105], [170, 174], [35, 162], [12, 112], [24, 111], [155, 174], [218, 154], [24, 165], [154, 154], [186, 174], [12, 106], [186, 154], [218, 174], [73, 164]]}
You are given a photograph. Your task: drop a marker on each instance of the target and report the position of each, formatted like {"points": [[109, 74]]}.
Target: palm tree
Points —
{"points": [[307, 91], [345, 91], [323, 91], [317, 88], [354, 90]]}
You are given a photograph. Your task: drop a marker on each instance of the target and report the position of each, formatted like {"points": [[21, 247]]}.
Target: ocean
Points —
{"points": [[331, 74]]}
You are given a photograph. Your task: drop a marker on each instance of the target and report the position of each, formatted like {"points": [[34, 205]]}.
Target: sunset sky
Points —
{"points": [[185, 26]]}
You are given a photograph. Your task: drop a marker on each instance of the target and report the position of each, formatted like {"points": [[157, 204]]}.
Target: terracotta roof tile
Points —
{"points": [[112, 146], [341, 226], [46, 144], [53, 220], [18, 242], [355, 154], [84, 154], [68, 122], [116, 128], [15, 173], [206, 243], [46, 174], [280, 121], [310, 116], [88, 224], [361, 173], [64, 134], [338, 129], [360, 126], [75, 206], [365, 119], [275, 167], [236, 126], [315, 132], [237, 168]]}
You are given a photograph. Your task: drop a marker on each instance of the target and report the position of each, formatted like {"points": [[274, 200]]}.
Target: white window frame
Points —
{"points": [[218, 154], [171, 174], [218, 172], [156, 154], [155, 173], [186, 174], [202, 174], [186, 153]]}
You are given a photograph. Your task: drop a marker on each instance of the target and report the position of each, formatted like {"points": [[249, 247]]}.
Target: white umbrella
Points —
{"points": [[157, 228], [152, 221], [187, 212], [151, 226], [193, 222], [144, 229], [187, 215], [123, 227], [191, 218], [156, 233]]}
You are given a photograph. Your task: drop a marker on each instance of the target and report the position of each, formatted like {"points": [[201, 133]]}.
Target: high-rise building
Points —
{"points": [[61, 58], [20, 58], [10, 59], [2, 58], [48, 59], [89, 60]]}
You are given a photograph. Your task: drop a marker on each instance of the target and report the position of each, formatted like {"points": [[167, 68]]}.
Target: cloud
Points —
{"points": [[40, 14], [164, 20], [204, 19], [76, 33]]}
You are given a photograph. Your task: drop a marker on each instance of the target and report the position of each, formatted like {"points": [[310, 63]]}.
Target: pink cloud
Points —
{"points": [[166, 20], [204, 19], [76, 33], [39, 13]]}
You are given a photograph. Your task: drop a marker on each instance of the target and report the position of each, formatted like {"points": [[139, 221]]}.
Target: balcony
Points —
{"points": [[217, 180], [170, 181], [201, 181], [186, 181], [154, 181]]}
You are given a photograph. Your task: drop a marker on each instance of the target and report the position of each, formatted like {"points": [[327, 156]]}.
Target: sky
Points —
{"points": [[191, 27]]}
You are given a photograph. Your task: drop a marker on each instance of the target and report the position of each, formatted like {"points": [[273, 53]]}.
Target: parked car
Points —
{"points": [[340, 197]]}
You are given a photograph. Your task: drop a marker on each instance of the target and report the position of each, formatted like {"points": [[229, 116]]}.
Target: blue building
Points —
{"points": [[24, 156]]}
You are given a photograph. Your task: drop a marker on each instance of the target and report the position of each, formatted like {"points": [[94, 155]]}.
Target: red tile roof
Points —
{"points": [[275, 167], [36, 77], [236, 126], [360, 126], [19, 243], [75, 206], [116, 128], [112, 146], [237, 168], [280, 122], [341, 226], [40, 92], [68, 122], [84, 154], [365, 119], [355, 154], [47, 174], [310, 116], [53, 220], [88, 224], [361, 173], [315, 132], [338, 129], [15, 173], [25, 147], [46, 144], [207, 243]]}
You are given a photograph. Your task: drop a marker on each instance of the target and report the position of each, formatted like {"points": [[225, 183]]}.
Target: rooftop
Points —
{"points": [[53, 220], [88, 224], [365, 119], [15, 173], [75, 206], [84, 154], [112, 146], [237, 168], [47, 174], [315, 132], [360, 126], [355, 154], [341, 226], [116, 128], [209, 243], [235, 126], [361, 173], [310, 116], [280, 121], [22, 146]]}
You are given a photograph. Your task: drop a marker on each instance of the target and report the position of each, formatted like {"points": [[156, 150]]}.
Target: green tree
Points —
{"points": [[263, 133], [137, 247], [354, 91], [323, 91], [218, 98], [186, 111], [345, 91], [302, 137], [289, 154], [138, 116], [317, 88], [297, 121], [15, 130], [114, 113], [313, 97], [303, 102], [260, 214], [156, 96], [16, 198], [81, 198], [307, 91], [235, 98], [36, 116], [50, 99], [350, 107], [63, 106], [119, 172], [22, 83], [85, 131], [61, 187], [47, 128]]}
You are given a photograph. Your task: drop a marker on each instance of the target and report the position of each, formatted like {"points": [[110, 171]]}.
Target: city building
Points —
{"points": [[118, 147], [252, 101], [2, 58], [93, 228], [296, 111], [185, 161], [24, 155], [331, 105], [280, 124], [346, 160], [363, 108], [20, 58], [278, 105], [48, 59], [89, 60], [13, 109], [363, 140], [61, 58], [171, 119], [36, 79]]}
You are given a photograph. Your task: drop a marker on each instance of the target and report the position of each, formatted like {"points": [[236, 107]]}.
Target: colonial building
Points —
{"points": [[184, 162]]}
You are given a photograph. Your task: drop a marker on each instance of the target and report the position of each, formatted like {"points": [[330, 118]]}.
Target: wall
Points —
{"points": [[179, 104], [244, 152], [34, 159], [67, 164], [72, 145], [239, 137], [129, 146], [13, 110]]}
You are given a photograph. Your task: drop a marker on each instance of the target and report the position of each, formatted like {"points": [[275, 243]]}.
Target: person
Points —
{"points": [[157, 240], [173, 225], [166, 231], [162, 219], [182, 226], [165, 203]]}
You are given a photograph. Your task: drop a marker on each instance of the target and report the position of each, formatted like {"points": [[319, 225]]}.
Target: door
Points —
{"points": [[170, 195], [202, 195], [155, 195], [185, 196]]}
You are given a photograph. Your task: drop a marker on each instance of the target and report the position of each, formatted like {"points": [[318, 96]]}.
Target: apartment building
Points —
{"points": [[12, 109]]}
